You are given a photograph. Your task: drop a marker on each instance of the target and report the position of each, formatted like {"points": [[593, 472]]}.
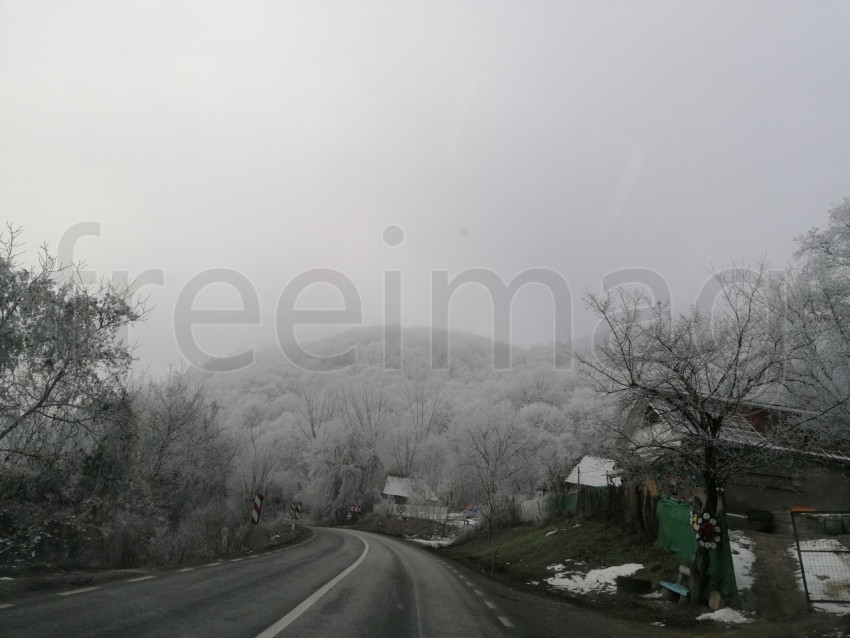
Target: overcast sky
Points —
{"points": [[271, 138]]}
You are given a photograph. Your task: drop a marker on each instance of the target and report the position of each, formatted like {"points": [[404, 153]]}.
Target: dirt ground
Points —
{"points": [[775, 594]]}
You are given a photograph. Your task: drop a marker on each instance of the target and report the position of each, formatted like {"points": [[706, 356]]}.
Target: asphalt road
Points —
{"points": [[338, 583]]}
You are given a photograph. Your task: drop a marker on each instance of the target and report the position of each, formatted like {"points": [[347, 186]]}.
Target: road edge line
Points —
{"points": [[313, 598]]}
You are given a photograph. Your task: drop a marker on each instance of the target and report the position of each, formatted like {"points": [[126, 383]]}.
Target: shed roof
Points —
{"points": [[408, 488], [594, 471]]}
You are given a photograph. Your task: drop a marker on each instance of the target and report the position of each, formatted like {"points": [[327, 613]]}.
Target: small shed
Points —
{"points": [[403, 490], [593, 471], [413, 498]]}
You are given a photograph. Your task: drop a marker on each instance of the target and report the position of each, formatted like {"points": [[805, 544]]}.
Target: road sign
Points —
{"points": [[400, 518], [255, 512], [296, 509], [399, 509]]}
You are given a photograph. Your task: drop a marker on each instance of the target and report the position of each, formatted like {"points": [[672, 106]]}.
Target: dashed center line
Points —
{"points": [[503, 619], [211, 564], [6, 605], [139, 579], [235, 560], [77, 591], [188, 569]]}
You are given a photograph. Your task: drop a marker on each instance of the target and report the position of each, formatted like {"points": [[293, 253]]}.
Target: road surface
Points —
{"points": [[339, 583]]}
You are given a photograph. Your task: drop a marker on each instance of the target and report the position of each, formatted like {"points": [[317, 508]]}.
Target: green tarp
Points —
{"points": [[674, 528], [676, 535]]}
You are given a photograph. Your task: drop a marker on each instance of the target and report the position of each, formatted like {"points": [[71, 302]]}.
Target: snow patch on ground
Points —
{"points": [[432, 542], [743, 558], [554, 531], [557, 567], [833, 608], [727, 615], [595, 581], [461, 521]]}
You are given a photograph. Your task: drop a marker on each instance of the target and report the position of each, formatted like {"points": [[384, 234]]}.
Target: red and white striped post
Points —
{"points": [[258, 505]]}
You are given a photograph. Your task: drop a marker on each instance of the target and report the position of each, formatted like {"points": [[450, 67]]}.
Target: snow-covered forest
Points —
{"points": [[330, 438]]}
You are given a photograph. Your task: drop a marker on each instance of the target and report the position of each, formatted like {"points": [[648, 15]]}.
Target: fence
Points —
{"points": [[606, 502], [824, 558], [534, 510], [413, 510]]}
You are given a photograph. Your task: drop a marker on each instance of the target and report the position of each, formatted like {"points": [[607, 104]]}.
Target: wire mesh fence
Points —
{"points": [[824, 554]]}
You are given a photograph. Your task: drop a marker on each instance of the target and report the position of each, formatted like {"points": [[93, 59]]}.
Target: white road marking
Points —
{"points": [[6, 605], [235, 560], [188, 569], [489, 604], [506, 622], [211, 564], [478, 592], [311, 600], [139, 579], [77, 591]]}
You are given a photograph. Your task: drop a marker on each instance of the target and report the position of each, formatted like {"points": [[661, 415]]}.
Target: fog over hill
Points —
{"points": [[328, 431]]}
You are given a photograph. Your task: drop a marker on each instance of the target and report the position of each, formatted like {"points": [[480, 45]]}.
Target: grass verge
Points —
{"points": [[522, 554]]}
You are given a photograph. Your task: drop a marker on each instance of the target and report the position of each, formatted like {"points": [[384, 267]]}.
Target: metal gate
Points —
{"points": [[824, 557]]}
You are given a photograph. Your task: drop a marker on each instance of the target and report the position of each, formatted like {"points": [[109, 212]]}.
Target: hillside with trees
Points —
{"points": [[330, 438]]}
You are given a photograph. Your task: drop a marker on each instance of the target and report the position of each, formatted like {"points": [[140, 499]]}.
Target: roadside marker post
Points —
{"points": [[258, 506]]}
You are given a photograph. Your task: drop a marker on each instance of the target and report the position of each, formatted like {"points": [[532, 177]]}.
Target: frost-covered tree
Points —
{"points": [[62, 360], [497, 449], [422, 415], [703, 366], [818, 317]]}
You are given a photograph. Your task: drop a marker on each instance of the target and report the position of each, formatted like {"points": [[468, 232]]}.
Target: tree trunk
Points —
{"points": [[699, 567]]}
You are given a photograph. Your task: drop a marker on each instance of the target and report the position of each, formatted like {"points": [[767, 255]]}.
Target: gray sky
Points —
{"points": [[270, 138]]}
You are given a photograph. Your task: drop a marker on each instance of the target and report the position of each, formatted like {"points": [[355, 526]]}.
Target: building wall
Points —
{"points": [[806, 483]]}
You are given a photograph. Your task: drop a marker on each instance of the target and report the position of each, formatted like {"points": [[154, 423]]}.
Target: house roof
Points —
{"points": [[594, 471], [738, 429], [408, 488]]}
